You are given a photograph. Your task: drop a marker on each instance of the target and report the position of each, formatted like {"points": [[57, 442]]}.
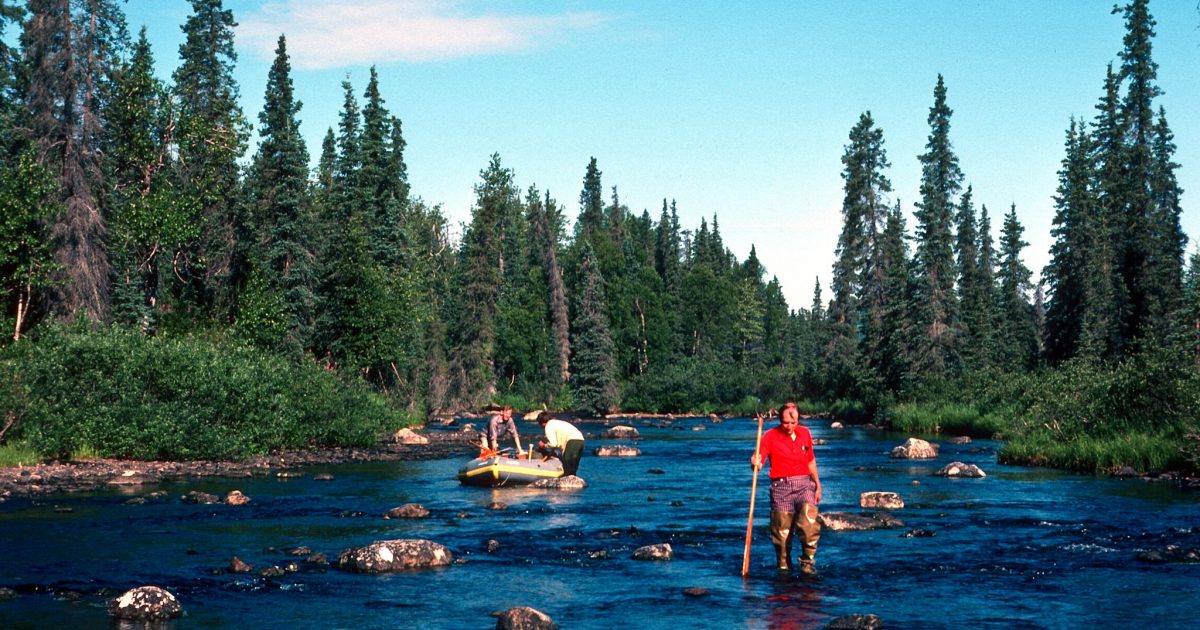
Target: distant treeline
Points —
{"points": [[123, 202]]}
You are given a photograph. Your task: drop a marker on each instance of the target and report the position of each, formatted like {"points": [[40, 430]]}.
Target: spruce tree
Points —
{"points": [[1017, 329], [974, 298], [149, 218], [546, 247], [70, 51], [278, 182], [594, 383], [211, 136], [889, 354], [941, 179]]}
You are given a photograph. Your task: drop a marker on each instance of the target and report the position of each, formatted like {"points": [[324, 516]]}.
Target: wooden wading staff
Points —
{"points": [[753, 492]]}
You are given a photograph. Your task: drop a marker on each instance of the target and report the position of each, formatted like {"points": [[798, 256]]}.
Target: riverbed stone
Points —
{"points": [[881, 501], [235, 497], [387, 556], [695, 592], [915, 448], [855, 622], [836, 425], [523, 618], [145, 603], [408, 510], [661, 551], [959, 439], [1170, 554], [847, 521], [237, 565], [621, 432], [617, 451], [959, 469], [202, 498], [566, 482]]}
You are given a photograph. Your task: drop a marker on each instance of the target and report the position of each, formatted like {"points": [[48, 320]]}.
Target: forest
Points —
{"points": [[174, 290]]}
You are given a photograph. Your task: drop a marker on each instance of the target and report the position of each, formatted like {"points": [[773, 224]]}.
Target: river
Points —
{"points": [[1023, 547]]}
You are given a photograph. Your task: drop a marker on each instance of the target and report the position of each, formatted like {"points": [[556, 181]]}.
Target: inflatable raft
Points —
{"points": [[503, 469]]}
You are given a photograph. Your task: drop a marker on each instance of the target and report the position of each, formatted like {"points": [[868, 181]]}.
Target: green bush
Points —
{"points": [[120, 394]]}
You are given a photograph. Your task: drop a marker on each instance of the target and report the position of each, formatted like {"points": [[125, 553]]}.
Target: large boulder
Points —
{"points": [[145, 603], [387, 556], [914, 448], [621, 432], [959, 469], [524, 618], [567, 482], [846, 521], [654, 552], [617, 451], [881, 501], [408, 510], [408, 436]]}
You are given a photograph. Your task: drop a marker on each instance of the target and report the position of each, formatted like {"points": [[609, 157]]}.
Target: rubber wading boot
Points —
{"points": [[810, 533], [781, 537]]}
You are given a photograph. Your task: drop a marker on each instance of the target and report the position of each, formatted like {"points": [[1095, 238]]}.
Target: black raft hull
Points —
{"points": [[499, 470]]}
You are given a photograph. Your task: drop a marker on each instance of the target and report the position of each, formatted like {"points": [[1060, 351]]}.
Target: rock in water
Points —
{"points": [[855, 622], [408, 510], [914, 448], [881, 501], [845, 521], [387, 556], [617, 451], [621, 432], [524, 618], [654, 552], [145, 603], [568, 482], [235, 497], [959, 469]]}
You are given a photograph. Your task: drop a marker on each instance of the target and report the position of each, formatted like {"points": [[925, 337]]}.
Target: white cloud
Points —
{"points": [[336, 33]]}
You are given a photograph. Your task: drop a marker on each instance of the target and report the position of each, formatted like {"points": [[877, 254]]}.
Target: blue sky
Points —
{"points": [[738, 109]]}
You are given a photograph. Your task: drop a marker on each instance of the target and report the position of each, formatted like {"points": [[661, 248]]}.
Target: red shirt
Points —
{"points": [[788, 457]]}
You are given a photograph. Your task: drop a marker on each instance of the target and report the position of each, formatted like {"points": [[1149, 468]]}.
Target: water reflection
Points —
{"points": [[795, 604]]}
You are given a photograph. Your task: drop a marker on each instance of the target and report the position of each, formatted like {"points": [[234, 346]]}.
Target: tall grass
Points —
{"points": [[939, 417]]}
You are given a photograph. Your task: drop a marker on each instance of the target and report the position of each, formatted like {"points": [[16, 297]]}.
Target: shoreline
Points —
{"points": [[92, 474]]}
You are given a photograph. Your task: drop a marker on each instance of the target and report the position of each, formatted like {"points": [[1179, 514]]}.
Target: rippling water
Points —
{"points": [[1023, 547]]}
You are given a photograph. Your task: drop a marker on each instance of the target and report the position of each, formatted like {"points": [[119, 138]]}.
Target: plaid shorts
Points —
{"points": [[789, 494]]}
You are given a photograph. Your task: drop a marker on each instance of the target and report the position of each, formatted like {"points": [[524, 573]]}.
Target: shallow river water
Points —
{"points": [[1021, 548]]}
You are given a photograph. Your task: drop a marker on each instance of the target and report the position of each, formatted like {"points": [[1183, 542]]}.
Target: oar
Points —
{"points": [[753, 492]]}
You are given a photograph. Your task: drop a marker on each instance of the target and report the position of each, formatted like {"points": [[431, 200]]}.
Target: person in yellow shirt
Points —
{"points": [[563, 437]]}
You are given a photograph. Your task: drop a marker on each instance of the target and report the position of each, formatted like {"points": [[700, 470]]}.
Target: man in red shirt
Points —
{"points": [[795, 489]]}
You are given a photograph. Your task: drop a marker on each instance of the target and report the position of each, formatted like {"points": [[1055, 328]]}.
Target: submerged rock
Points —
{"points": [[914, 448], [959, 469], [408, 510], [203, 498], [386, 556], [855, 622], [145, 603], [654, 552], [523, 618], [961, 439], [617, 451], [881, 501], [695, 592], [237, 565], [1170, 553], [621, 432], [568, 482], [846, 521]]}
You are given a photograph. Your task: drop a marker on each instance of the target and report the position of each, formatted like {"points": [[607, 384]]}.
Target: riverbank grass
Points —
{"points": [[18, 454], [945, 418]]}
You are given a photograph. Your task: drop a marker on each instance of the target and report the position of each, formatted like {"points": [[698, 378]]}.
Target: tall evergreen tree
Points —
{"points": [[278, 184], [211, 136], [941, 179], [473, 332], [546, 247], [973, 296], [148, 216], [591, 203], [70, 50], [890, 352], [1017, 329], [595, 383]]}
